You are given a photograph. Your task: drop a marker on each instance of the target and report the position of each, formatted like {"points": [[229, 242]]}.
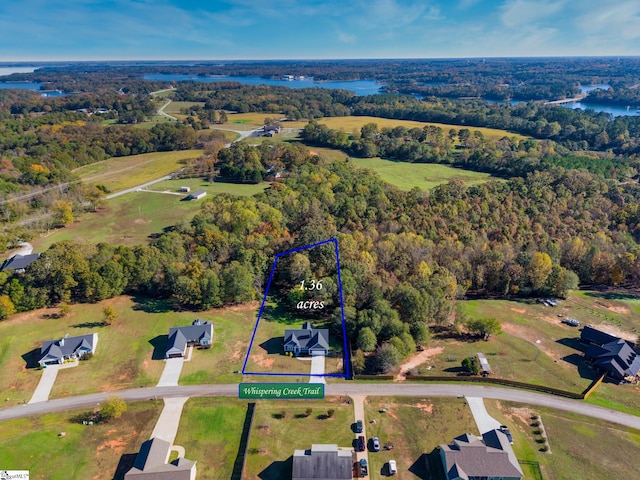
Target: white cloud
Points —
{"points": [[616, 22], [516, 13]]}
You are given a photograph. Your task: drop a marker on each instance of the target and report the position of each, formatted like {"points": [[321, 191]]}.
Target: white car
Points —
{"points": [[393, 468]]}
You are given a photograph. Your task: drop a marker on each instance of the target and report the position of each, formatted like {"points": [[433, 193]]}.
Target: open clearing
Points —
{"points": [[582, 447], [129, 352], [120, 173], [414, 427], [92, 452], [425, 176], [273, 439], [137, 217]]}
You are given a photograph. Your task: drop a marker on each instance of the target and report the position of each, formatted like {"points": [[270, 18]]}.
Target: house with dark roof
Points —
{"points": [[611, 355], [151, 464], [199, 333], [307, 340], [322, 462], [54, 352], [19, 263], [470, 457]]}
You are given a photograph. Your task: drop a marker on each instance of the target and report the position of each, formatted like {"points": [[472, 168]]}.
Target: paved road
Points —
{"points": [[171, 89], [162, 112], [358, 412], [167, 425], [45, 384], [484, 421], [138, 187], [333, 389]]}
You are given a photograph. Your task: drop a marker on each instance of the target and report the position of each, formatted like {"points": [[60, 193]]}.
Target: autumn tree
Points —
{"points": [[109, 314], [113, 408]]}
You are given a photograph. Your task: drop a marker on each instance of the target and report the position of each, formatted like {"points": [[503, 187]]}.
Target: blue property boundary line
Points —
{"points": [[264, 301]]}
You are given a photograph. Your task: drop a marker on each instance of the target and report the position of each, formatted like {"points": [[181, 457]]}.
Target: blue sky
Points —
{"points": [[286, 29]]}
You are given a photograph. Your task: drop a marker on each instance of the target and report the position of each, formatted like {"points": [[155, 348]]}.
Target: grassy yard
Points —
{"points": [[414, 427], [176, 107], [210, 431], [120, 173], [136, 217], [93, 451], [581, 447], [425, 176], [274, 439], [124, 357]]}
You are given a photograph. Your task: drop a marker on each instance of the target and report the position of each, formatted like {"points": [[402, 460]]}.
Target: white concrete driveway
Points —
{"points": [[358, 410], [317, 368], [171, 372], [484, 421], [167, 425], [45, 385]]}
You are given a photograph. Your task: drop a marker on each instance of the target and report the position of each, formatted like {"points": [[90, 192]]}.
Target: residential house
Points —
{"points": [[151, 464], [19, 263], [611, 355], [199, 333], [322, 462], [197, 195], [271, 130], [54, 352], [307, 340], [489, 457]]}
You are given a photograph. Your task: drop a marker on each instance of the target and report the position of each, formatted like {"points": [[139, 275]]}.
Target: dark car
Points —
{"points": [[359, 426], [505, 430], [364, 469], [361, 445], [375, 444]]}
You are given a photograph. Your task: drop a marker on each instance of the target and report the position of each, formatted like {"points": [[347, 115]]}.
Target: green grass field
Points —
{"points": [[83, 452], [414, 427], [425, 176], [120, 173], [212, 425], [212, 188], [176, 107], [273, 439], [124, 356], [581, 447]]}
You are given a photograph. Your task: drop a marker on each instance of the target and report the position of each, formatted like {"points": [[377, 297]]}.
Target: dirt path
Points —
{"points": [[418, 359]]}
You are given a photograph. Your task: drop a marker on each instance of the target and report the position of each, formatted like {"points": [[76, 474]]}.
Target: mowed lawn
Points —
{"points": [[274, 439], [136, 217], [415, 427], [425, 176], [177, 107], [124, 356], [581, 447], [120, 173], [210, 431], [93, 451]]}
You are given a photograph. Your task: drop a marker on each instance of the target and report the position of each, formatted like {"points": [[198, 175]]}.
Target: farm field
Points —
{"points": [[212, 425], [576, 443], [84, 451], [120, 173], [176, 107], [136, 217], [129, 352], [274, 439], [425, 176], [415, 427]]}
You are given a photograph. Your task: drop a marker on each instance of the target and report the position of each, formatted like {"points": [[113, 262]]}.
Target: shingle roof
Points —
{"points": [[151, 463], [307, 337], [488, 456], [198, 331], [592, 335], [18, 262], [618, 358], [67, 346], [322, 462]]}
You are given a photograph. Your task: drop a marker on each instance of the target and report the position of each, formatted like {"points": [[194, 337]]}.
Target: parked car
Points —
{"points": [[361, 444], [375, 444], [572, 322], [505, 430], [393, 468], [359, 426], [364, 469], [551, 302]]}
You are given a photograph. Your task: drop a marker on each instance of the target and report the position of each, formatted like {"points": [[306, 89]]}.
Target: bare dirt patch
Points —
{"points": [[529, 336], [518, 310], [418, 359], [425, 407]]}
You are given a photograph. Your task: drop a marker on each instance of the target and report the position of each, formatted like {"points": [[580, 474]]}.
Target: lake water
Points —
{"points": [[10, 70], [359, 87]]}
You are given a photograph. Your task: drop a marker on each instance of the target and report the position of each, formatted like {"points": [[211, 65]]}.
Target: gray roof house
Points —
{"points": [[197, 195], [199, 333], [19, 262], [322, 462], [470, 457], [612, 355], [67, 348], [307, 340], [151, 464]]}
